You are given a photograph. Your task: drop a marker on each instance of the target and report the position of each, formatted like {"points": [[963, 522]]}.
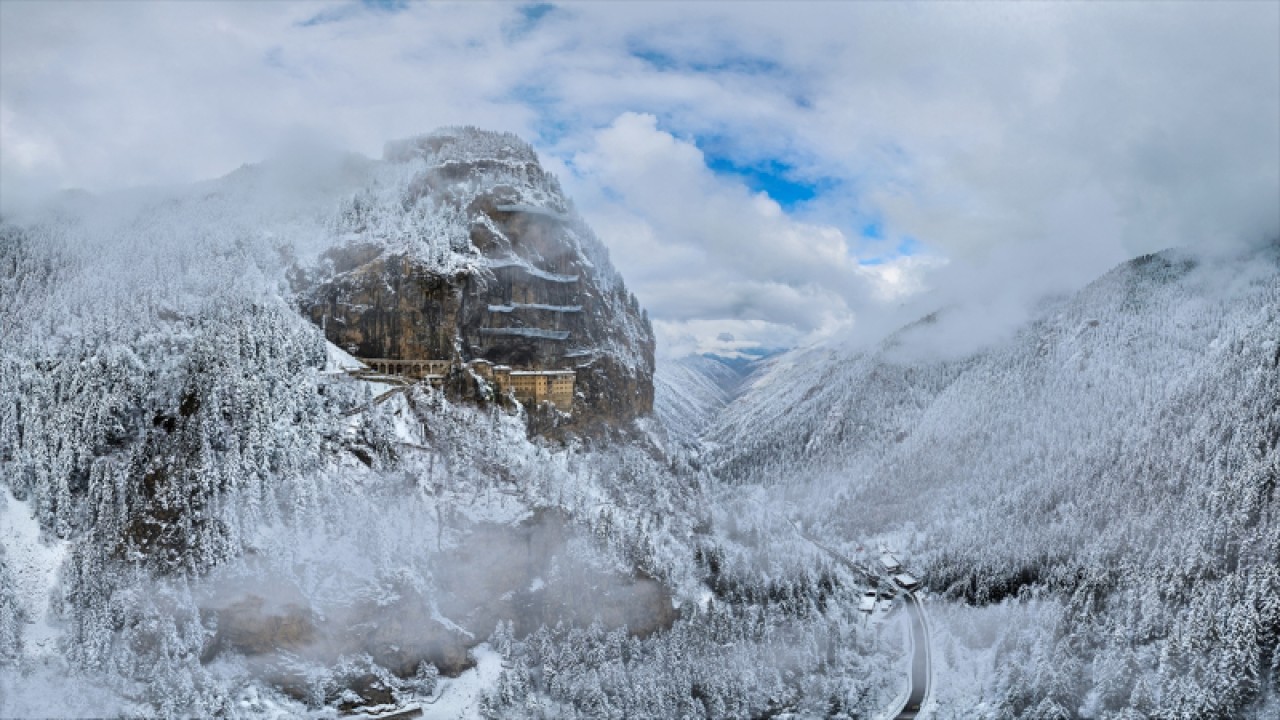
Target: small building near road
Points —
{"points": [[906, 581], [890, 563]]}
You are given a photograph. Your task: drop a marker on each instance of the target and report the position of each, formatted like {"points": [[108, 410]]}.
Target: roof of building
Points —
{"points": [[559, 373]]}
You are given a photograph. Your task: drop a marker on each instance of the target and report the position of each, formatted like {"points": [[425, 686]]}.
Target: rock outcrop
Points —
{"points": [[465, 248]]}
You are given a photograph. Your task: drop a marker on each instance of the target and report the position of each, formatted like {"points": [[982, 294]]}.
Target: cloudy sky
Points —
{"points": [[765, 174]]}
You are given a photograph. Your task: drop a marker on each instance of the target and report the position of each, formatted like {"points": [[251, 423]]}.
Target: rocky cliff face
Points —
{"points": [[464, 248]]}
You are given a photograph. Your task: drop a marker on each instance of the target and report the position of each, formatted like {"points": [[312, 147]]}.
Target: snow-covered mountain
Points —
{"points": [[203, 513], [690, 392], [1119, 455], [464, 249]]}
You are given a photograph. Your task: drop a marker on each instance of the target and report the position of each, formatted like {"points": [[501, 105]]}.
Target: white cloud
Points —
{"points": [[1033, 143], [698, 246]]}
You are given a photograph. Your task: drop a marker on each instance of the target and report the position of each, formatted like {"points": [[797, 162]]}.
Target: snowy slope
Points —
{"points": [[33, 565], [230, 521], [1120, 452], [235, 527], [690, 393]]}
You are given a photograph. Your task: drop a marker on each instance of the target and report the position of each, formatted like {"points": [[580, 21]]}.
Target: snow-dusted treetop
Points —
{"points": [[461, 144]]}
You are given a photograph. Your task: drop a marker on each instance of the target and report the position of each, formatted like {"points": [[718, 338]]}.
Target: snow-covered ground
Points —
{"points": [[338, 360], [1122, 432], [460, 697], [454, 699], [34, 564]]}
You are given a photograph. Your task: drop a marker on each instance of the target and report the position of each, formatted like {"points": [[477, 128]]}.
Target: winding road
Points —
{"points": [[921, 676], [921, 670]]}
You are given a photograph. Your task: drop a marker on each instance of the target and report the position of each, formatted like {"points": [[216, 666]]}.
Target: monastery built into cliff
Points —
{"points": [[536, 386]]}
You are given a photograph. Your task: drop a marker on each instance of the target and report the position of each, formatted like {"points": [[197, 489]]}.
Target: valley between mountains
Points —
{"points": [[394, 439]]}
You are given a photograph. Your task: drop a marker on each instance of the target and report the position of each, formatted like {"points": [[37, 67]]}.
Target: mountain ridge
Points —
{"points": [[1124, 444]]}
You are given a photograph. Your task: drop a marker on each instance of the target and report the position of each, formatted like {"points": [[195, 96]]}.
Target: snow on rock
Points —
{"points": [[527, 332], [530, 269], [456, 227], [338, 360], [534, 306], [532, 210]]}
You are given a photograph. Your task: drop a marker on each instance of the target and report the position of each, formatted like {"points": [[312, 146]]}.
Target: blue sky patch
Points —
{"points": [[331, 15], [536, 96], [534, 12], [338, 13], [730, 62], [775, 178], [906, 247], [390, 6], [529, 16], [549, 123], [550, 132]]}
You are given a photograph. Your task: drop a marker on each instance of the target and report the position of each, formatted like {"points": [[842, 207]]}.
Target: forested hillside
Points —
{"points": [[204, 514], [690, 393], [1107, 476]]}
